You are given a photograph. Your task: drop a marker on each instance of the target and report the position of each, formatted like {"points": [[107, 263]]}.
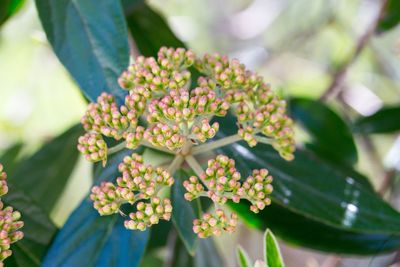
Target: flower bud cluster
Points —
{"points": [[105, 118], [93, 147], [222, 181], [137, 182], [159, 90], [181, 115], [258, 109], [9, 222], [148, 214], [163, 112], [153, 76], [214, 224]]}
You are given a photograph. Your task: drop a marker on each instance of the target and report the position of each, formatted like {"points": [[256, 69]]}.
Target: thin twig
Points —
{"points": [[216, 144], [149, 145], [116, 148], [339, 76], [171, 244], [175, 164], [194, 164]]}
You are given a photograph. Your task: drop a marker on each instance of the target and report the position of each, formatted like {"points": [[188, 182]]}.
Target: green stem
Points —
{"points": [[216, 144], [149, 145], [116, 148], [194, 164], [264, 140], [175, 164]]}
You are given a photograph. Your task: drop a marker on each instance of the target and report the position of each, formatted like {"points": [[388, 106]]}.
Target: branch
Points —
{"points": [[175, 164], [116, 148], [339, 77], [194, 164], [216, 144]]}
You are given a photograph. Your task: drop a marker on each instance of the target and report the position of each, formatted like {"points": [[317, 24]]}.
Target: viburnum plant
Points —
{"points": [[9, 222], [162, 112]]}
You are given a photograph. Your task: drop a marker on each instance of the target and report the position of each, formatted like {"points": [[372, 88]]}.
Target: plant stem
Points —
{"points": [[338, 78], [216, 144], [116, 148], [175, 164], [171, 244], [194, 164], [264, 140], [149, 145]]}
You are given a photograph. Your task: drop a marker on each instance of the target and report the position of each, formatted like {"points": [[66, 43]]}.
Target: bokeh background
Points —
{"points": [[297, 45]]}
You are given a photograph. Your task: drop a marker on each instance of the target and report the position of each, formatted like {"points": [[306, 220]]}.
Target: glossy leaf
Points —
{"points": [[91, 39], [45, 174], [313, 189], [243, 258], [9, 8], [307, 232], [331, 138], [10, 158], [272, 253], [207, 255], [88, 239], [391, 16], [38, 229], [316, 189], [385, 120], [183, 213], [149, 30]]}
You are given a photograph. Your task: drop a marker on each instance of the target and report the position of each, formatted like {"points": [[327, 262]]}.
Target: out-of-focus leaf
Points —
{"points": [[385, 120], [9, 8], [88, 239], [307, 232], [206, 255], [315, 189], [91, 39], [391, 16], [159, 235], [183, 213], [38, 229], [272, 256], [9, 158], [243, 258], [149, 30], [331, 137], [45, 174]]}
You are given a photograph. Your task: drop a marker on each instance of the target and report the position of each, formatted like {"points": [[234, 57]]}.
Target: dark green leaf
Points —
{"points": [[317, 190], [9, 158], [183, 213], [243, 258], [207, 254], [91, 39], [307, 232], [9, 8], [38, 229], [149, 30], [88, 239], [331, 137], [386, 120], [45, 174], [159, 235], [272, 255], [391, 16]]}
